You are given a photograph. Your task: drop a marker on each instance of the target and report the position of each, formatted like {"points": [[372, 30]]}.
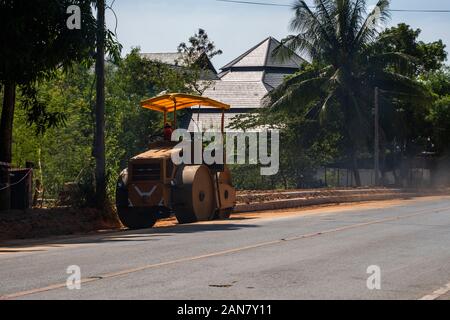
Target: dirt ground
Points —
{"points": [[41, 223], [38, 223], [252, 196], [310, 210]]}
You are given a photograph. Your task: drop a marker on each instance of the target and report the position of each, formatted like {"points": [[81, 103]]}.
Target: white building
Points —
{"points": [[244, 82]]}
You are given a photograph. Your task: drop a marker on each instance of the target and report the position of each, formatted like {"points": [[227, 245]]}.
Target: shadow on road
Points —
{"points": [[145, 235], [178, 229]]}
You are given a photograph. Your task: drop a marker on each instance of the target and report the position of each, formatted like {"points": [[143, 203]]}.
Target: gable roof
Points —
{"points": [[170, 58], [261, 55], [246, 80], [176, 59], [238, 94]]}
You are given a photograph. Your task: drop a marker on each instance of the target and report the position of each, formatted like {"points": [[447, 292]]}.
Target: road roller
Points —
{"points": [[153, 187]]}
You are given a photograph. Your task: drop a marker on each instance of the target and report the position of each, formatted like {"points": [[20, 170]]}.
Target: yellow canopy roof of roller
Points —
{"points": [[167, 102]]}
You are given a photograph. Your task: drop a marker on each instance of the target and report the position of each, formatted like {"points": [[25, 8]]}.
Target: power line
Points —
{"points": [[420, 10], [257, 3], [290, 6]]}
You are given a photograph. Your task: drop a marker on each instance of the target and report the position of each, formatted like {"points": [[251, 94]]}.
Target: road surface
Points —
{"points": [[312, 254]]}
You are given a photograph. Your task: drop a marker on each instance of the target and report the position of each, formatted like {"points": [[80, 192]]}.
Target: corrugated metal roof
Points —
{"points": [[245, 81], [238, 94], [243, 76], [176, 59], [261, 55], [274, 79], [201, 122], [295, 61], [255, 57], [171, 58]]}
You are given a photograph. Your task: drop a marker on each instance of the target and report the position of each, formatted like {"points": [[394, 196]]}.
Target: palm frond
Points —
{"points": [[295, 79], [324, 107], [399, 60], [312, 25], [325, 10], [397, 84], [299, 95], [369, 29], [357, 20], [292, 44]]}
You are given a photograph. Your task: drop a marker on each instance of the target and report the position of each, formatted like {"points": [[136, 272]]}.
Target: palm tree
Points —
{"points": [[339, 36]]}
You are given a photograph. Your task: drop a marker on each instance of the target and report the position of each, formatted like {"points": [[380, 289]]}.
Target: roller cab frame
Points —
{"points": [[153, 187]]}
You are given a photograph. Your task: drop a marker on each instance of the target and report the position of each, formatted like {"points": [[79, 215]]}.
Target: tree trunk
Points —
{"points": [[6, 126], [383, 167], [356, 171], [100, 173], [9, 101]]}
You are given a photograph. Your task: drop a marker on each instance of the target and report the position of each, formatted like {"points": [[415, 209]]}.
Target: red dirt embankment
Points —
{"points": [[38, 223], [250, 201]]}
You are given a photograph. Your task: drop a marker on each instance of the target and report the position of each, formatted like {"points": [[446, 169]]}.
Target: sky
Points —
{"points": [[160, 25]]}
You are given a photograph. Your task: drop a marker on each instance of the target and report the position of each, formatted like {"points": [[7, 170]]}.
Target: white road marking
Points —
{"points": [[438, 293], [226, 252]]}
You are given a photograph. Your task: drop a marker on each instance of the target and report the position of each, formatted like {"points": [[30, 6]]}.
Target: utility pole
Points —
{"points": [[377, 138], [100, 170]]}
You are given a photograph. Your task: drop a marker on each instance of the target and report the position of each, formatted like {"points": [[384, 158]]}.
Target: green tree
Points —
{"points": [[405, 130], [39, 44], [195, 58], [427, 57], [62, 154], [338, 35], [134, 80], [65, 152], [36, 41], [439, 113]]}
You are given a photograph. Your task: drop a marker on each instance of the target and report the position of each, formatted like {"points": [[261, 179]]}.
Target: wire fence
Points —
{"points": [[18, 182]]}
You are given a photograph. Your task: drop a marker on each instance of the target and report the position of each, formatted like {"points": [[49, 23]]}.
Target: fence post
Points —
{"points": [[376, 153], [5, 190]]}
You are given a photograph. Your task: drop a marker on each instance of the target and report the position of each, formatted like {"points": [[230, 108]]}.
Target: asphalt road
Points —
{"points": [[322, 254]]}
